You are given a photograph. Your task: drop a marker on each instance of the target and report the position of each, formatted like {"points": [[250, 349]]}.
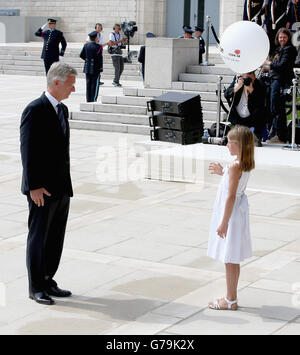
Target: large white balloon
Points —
{"points": [[244, 46]]}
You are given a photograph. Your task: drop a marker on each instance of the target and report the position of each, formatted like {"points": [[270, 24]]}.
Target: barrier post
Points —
{"points": [[293, 145], [220, 78], [206, 63]]}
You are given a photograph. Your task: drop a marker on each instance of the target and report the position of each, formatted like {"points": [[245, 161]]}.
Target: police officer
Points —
{"points": [[92, 55], [52, 38], [276, 18], [188, 32], [198, 35], [253, 11]]}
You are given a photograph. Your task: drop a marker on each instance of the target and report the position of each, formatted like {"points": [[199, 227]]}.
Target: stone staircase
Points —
{"points": [[128, 113], [25, 60]]}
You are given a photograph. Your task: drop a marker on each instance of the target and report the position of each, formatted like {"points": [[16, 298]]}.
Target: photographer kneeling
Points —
{"points": [[116, 43], [247, 97]]}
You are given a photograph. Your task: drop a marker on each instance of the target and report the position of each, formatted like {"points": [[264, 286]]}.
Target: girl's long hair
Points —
{"points": [[244, 137]]}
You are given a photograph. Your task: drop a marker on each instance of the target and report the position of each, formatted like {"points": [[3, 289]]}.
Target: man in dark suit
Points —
{"points": [[93, 65], [46, 181], [52, 38]]}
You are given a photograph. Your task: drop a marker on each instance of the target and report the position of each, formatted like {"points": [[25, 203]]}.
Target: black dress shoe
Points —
{"points": [[57, 292], [42, 298]]}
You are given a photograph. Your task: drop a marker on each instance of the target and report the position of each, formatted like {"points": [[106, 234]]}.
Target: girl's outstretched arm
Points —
{"points": [[234, 177]]}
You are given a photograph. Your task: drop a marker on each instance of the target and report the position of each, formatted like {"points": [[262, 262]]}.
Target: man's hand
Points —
{"points": [[37, 196]]}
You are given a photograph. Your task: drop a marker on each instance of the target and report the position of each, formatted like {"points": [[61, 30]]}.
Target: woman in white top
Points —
{"points": [[230, 240]]}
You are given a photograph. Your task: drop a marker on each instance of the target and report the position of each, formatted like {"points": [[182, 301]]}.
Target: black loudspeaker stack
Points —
{"points": [[176, 118]]}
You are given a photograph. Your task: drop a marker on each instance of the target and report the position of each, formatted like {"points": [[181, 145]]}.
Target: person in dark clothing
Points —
{"points": [[276, 18], [142, 54], [293, 13], [52, 39], [247, 97], [281, 74], [253, 11], [93, 65], [198, 35], [46, 181]]}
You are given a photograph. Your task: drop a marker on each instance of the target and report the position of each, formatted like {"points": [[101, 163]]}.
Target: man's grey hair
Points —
{"points": [[59, 71]]}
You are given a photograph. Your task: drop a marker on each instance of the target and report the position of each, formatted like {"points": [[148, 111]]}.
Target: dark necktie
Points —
{"points": [[61, 118]]}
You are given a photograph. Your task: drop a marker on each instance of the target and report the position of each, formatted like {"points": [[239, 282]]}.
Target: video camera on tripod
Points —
{"points": [[129, 29]]}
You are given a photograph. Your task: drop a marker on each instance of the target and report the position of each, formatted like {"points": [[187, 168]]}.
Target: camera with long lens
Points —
{"points": [[129, 29], [247, 81], [215, 140]]}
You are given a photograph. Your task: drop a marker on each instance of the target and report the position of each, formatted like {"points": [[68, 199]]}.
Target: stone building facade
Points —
{"points": [[77, 17]]}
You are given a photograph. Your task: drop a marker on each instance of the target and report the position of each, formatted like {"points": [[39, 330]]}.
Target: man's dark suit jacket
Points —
{"points": [[45, 149]]}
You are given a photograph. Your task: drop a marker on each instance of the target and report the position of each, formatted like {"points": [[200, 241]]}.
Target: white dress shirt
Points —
{"points": [[52, 100]]}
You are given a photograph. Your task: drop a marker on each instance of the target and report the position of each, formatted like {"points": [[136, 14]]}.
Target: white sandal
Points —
{"points": [[216, 306]]}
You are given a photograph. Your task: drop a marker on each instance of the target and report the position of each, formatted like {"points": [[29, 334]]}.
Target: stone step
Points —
{"points": [[30, 60], [150, 93], [110, 127], [111, 118], [204, 78], [126, 100], [117, 127], [215, 70], [140, 102], [111, 108], [208, 116]]}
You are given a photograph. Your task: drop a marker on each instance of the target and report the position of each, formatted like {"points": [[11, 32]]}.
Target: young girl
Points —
{"points": [[230, 235]]}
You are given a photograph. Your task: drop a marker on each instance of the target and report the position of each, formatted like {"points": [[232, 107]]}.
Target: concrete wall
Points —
{"points": [[15, 29], [166, 58], [78, 17], [230, 11]]}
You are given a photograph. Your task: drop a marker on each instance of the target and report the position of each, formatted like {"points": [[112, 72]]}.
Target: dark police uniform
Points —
{"points": [[253, 10], [92, 55], [276, 18], [201, 44], [52, 39]]}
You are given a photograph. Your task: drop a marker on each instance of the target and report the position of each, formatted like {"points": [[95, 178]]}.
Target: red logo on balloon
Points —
{"points": [[237, 52]]}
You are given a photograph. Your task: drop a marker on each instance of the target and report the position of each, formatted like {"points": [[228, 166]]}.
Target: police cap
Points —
{"points": [[188, 30], [150, 35], [199, 28], [93, 34], [51, 21]]}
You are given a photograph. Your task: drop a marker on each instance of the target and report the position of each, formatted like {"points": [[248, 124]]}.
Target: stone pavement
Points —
{"points": [[135, 251]]}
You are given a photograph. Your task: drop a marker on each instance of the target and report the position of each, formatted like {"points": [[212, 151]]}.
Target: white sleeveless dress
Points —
{"points": [[236, 247]]}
